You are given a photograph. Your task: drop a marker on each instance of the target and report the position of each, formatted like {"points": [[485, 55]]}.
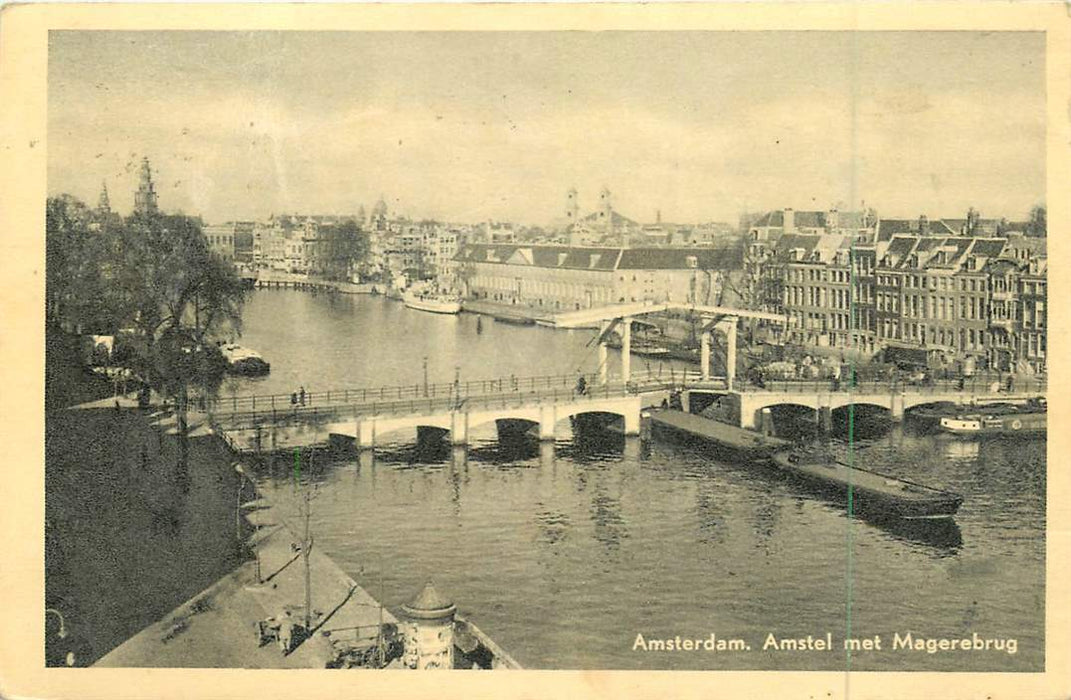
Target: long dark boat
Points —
{"points": [[736, 442], [872, 493]]}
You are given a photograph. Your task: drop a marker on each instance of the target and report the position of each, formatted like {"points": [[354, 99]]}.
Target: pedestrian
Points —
{"points": [[302, 395], [286, 632], [581, 385]]}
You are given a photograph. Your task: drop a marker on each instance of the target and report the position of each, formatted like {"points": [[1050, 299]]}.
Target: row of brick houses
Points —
{"points": [[955, 296]]}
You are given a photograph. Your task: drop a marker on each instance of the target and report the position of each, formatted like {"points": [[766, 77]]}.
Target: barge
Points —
{"points": [[1024, 422], [869, 492], [737, 443], [930, 417]]}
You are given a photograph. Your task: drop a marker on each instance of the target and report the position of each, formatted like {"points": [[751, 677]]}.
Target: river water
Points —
{"points": [[565, 555]]}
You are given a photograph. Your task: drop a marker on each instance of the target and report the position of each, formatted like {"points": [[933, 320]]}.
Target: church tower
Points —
{"points": [[104, 206], [606, 210], [145, 197], [572, 207]]}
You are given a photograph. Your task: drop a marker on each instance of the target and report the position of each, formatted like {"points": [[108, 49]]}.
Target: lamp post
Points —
{"points": [[238, 503], [238, 518], [425, 376], [62, 634]]}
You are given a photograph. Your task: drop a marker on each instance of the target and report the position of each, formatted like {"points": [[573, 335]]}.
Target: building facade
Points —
{"points": [[565, 278], [957, 297]]}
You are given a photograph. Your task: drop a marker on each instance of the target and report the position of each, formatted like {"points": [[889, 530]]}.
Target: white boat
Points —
{"points": [[244, 361], [430, 301]]}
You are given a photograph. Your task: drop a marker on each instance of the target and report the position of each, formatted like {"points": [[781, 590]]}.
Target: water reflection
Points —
{"points": [[553, 527], [610, 529], [962, 450], [710, 513], [942, 536]]}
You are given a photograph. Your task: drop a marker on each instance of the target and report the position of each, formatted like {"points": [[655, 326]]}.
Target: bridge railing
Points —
{"points": [[382, 394], [414, 406], [984, 385], [265, 403]]}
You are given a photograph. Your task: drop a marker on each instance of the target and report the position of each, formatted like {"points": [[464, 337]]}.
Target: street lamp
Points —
{"points": [[62, 625], [238, 517], [425, 376], [62, 634], [238, 502]]}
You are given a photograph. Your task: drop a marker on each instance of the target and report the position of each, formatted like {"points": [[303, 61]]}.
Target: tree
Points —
{"points": [[153, 275], [179, 296], [344, 247], [77, 251], [1037, 225]]}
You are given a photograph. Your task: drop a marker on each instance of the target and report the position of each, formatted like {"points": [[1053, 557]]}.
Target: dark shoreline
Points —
{"points": [[125, 543]]}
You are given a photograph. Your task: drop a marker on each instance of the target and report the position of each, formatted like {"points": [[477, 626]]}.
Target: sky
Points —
{"points": [[470, 126]]}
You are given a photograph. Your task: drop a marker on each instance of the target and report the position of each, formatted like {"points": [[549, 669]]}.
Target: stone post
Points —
{"points": [[766, 419], [366, 434], [547, 422], [428, 631], [459, 428]]}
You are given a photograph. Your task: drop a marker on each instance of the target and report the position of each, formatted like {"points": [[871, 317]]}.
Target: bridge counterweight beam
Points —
{"points": [[730, 352], [704, 355]]}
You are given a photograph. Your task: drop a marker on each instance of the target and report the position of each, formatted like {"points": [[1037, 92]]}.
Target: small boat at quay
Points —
{"points": [[432, 302], [244, 361], [872, 493], [1030, 419], [514, 319]]}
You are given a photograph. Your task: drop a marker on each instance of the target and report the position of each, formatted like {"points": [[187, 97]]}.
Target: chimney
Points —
{"points": [[790, 220], [832, 220], [924, 225], [658, 216]]}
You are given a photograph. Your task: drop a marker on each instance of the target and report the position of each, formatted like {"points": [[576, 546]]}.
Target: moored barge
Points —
{"points": [[871, 493], [737, 442]]}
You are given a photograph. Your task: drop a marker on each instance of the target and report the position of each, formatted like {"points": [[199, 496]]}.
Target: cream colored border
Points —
{"points": [[23, 60]]}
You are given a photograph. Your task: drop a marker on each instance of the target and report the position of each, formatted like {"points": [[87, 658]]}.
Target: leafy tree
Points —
{"points": [[1037, 226], [77, 252]]}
